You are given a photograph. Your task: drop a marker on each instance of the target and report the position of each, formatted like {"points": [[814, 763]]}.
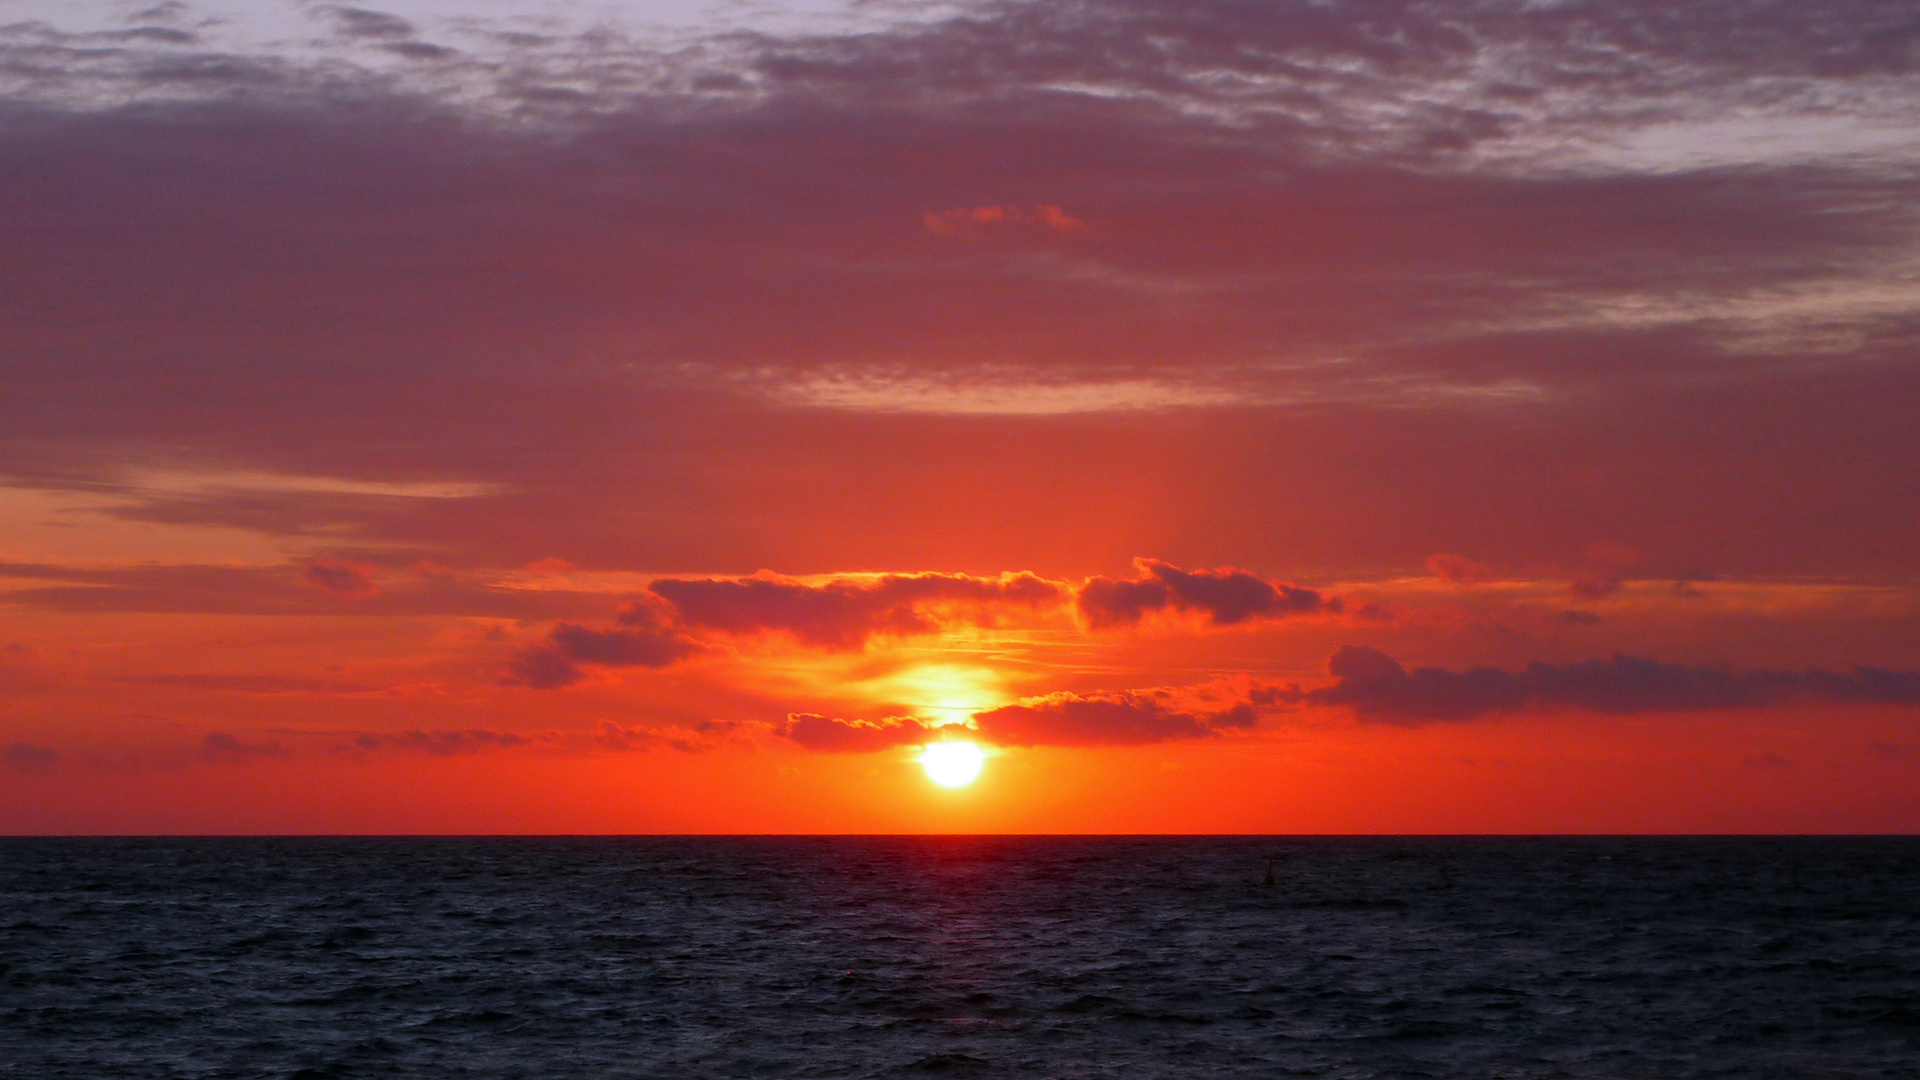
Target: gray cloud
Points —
{"points": [[639, 638], [1227, 597], [366, 23], [833, 735], [221, 748], [1124, 718], [348, 580], [1376, 686], [443, 743], [27, 758], [844, 614]]}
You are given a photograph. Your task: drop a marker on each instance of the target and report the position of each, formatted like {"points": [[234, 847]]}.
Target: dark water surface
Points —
{"points": [[1028, 957]]}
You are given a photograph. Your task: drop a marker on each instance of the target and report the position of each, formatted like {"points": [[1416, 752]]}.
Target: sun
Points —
{"points": [[952, 764]]}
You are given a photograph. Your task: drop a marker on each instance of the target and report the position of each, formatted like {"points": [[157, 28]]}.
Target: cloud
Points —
{"points": [[1594, 586], [607, 737], [348, 580], [1458, 569], [1226, 596], [1606, 564], [28, 758], [827, 734], [638, 639], [365, 23], [844, 613], [443, 743], [542, 667], [1377, 687], [1123, 718], [620, 647], [1120, 718], [621, 739], [221, 748], [283, 589]]}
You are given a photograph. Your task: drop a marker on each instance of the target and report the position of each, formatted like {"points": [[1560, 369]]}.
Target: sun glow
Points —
{"points": [[945, 693], [952, 764]]}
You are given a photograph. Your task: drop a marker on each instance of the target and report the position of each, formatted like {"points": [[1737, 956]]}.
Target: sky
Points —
{"points": [[1349, 416]]}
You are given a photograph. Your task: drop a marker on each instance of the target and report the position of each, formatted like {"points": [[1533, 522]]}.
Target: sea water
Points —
{"points": [[960, 956]]}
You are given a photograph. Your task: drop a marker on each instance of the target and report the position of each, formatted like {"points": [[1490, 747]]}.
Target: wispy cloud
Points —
{"points": [[27, 758], [1225, 597], [844, 613], [1113, 719], [1376, 686]]}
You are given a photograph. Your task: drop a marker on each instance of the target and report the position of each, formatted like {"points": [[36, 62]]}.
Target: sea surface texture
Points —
{"points": [[988, 957]]}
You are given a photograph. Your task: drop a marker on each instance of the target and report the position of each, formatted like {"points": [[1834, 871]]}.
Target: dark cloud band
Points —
{"points": [[1376, 686]]}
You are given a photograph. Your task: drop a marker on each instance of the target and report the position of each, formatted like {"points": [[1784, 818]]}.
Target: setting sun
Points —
{"points": [[952, 764]]}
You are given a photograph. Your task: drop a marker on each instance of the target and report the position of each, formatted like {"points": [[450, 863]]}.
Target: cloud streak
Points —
{"points": [[284, 589], [443, 742], [1224, 597], [1118, 718], [24, 757], [339, 577], [844, 614], [833, 735], [224, 748], [1122, 718], [1377, 687]]}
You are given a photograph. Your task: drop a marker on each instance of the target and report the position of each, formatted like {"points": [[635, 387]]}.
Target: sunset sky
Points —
{"points": [[1231, 415]]}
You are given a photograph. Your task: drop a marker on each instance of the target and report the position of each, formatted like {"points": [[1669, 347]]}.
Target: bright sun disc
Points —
{"points": [[951, 764]]}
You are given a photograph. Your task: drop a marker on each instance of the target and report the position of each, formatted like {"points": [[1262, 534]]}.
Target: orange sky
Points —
{"points": [[1277, 421]]}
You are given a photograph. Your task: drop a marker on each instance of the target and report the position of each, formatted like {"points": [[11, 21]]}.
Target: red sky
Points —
{"points": [[1237, 417]]}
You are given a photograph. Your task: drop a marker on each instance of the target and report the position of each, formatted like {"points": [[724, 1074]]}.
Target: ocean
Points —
{"points": [[1143, 957]]}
